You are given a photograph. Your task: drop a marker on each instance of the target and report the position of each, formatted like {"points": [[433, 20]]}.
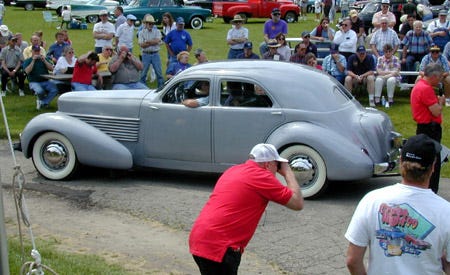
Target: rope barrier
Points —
{"points": [[18, 182]]}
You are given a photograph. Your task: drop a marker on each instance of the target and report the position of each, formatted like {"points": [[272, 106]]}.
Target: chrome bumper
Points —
{"points": [[391, 166]]}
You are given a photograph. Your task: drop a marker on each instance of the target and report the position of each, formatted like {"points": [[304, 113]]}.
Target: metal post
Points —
{"points": [[4, 264]]}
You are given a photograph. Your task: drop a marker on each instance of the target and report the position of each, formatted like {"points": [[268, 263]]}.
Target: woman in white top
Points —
{"points": [[284, 49], [168, 24], [66, 62]]}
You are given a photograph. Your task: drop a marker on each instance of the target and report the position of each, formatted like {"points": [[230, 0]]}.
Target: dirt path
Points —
{"points": [[140, 246]]}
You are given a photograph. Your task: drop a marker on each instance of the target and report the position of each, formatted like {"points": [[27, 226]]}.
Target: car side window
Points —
{"points": [[190, 89], [243, 94], [153, 3]]}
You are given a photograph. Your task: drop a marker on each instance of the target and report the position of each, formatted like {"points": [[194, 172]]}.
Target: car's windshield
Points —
{"points": [[370, 8], [134, 3], [95, 2]]}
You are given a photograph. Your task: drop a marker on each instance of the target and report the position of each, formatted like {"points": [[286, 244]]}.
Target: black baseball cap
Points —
{"points": [[421, 149]]}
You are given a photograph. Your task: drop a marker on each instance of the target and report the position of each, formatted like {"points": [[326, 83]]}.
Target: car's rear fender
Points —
{"points": [[348, 160], [92, 146]]}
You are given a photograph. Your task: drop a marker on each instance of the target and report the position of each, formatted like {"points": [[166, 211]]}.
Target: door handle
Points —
{"points": [[277, 113], [153, 107]]}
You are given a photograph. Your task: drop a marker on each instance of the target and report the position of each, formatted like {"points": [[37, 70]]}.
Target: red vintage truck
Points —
{"points": [[255, 8]]}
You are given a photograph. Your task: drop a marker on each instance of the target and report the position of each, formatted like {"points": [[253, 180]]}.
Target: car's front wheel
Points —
{"points": [[92, 18], [312, 175], [54, 156], [196, 23], [290, 17]]}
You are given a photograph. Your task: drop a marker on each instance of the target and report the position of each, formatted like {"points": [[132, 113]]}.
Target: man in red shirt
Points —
{"points": [[426, 110], [229, 218], [85, 68]]}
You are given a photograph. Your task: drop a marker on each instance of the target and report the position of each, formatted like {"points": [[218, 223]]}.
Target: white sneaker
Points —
{"points": [[372, 103], [21, 93], [447, 102], [3, 93], [38, 104]]}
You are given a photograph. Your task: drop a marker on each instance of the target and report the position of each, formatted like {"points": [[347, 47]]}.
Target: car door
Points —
{"points": [[246, 115], [173, 131]]}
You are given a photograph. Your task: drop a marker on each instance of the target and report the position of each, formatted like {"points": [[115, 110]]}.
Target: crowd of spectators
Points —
{"points": [[347, 59]]}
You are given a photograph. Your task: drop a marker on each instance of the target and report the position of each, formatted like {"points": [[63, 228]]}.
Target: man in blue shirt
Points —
{"points": [[56, 49], [248, 52], [178, 40]]}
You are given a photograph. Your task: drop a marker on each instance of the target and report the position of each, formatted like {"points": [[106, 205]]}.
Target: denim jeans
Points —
{"points": [[76, 86], [154, 60], [127, 86], [45, 91]]}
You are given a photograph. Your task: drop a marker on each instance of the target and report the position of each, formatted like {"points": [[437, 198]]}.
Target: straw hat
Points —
{"points": [[237, 18]]}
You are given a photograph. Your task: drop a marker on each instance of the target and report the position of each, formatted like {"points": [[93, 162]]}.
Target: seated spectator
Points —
{"points": [[272, 54], [65, 65], [335, 64], [104, 58], [406, 26], [5, 33], [125, 69], [300, 52], [388, 73], [11, 60], [56, 49], [248, 52], [439, 30], [66, 62], [203, 91], [310, 47], [102, 66], [383, 36], [323, 32], [360, 71], [179, 66], [436, 57], [200, 55], [284, 49], [35, 66], [35, 41], [83, 72], [357, 27], [415, 46], [346, 38], [66, 37], [311, 60]]}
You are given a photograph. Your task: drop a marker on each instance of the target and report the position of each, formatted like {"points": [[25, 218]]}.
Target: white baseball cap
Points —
{"points": [[264, 152]]}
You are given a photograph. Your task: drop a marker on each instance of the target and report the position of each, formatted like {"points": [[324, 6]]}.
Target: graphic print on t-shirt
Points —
{"points": [[402, 230]]}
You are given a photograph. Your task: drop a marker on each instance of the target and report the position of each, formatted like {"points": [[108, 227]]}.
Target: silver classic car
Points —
{"points": [[305, 113]]}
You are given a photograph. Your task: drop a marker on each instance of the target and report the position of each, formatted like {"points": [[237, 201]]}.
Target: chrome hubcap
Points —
{"points": [[54, 155], [305, 177]]}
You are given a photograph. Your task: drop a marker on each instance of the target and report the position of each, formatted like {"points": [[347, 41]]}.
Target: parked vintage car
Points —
{"points": [[306, 114], [89, 11], [194, 16], [29, 5]]}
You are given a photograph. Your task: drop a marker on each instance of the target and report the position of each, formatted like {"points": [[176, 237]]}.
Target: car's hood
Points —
{"points": [[103, 103]]}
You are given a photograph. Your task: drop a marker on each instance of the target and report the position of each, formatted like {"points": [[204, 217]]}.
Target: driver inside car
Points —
{"points": [[201, 90]]}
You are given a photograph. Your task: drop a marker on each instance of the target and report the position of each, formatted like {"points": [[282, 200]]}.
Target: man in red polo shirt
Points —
{"points": [[85, 68], [229, 218], [426, 110]]}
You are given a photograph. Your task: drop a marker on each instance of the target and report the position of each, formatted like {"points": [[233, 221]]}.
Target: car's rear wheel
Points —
{"points": [[92, 18], [312, 181], [29, 7], [196, 23], [59, 11], [54, 156], [227, 20], [290, 17]]}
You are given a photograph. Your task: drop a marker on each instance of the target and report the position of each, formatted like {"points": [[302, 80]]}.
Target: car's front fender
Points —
{"points": [[343, 158], [92, 146]]}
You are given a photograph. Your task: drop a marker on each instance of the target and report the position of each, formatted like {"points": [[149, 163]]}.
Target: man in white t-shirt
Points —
{"points": [[406, 227], [125, 33], [103, 31]]}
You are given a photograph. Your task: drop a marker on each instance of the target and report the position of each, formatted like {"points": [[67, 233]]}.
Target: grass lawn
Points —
{"points": [[212, 39]]}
